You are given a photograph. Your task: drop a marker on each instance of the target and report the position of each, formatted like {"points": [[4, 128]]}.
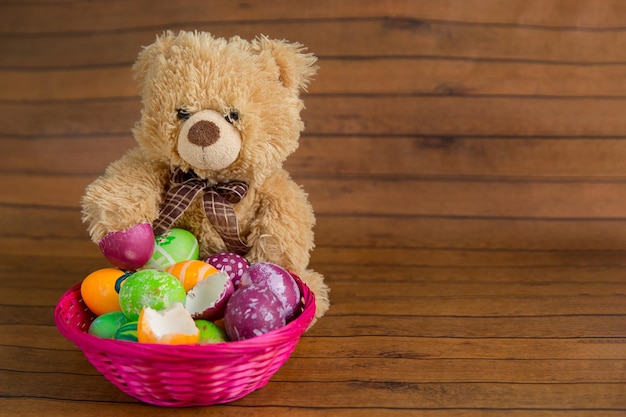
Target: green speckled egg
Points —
{"points": [[150, 288]]}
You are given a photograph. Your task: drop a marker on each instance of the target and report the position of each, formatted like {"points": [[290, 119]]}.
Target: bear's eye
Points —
{"points": [[232, 116], [183, 114]]}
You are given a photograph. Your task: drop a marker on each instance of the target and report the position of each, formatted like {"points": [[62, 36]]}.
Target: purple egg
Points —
{"points": [[231, 263], [129, 249], [251, 312], [279, 281]]}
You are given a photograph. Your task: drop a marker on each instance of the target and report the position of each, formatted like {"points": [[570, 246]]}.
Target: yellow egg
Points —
{"points": [[98, 290], [189, 273]]}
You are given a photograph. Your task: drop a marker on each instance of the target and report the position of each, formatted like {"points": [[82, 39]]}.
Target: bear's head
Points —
{"points": [[226, 109]]}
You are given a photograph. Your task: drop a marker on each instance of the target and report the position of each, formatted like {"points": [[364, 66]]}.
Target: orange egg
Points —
{"points": [[173, 326], [189, 273], [98, 291]]}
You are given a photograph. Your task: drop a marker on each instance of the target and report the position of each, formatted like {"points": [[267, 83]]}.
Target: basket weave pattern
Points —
{"points": [[183, 375]]}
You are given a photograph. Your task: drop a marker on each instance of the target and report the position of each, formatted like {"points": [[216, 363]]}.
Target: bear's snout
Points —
{"points": [[203, 133], [207, 141]]}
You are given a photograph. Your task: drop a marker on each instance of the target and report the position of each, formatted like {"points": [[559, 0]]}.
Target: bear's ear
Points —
{"points": [[295, 67], [149, 54]]}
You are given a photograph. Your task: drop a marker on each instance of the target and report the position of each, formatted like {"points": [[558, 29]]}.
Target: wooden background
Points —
{"points": [[465, 159]]}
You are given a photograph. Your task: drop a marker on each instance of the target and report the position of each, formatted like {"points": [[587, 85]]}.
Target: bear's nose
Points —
{"points": [[203, 133]]}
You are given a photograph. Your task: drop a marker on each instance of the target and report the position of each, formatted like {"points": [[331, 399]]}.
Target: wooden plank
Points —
{"points": [[482, 306], [466, 77], [52, 246], [33, 407], [43, 222], [469, 233], [40, 18], [431, 257], [467, 198], [367, 115], [340, 76], [60, 192], [402, 370], [467, 116], [361, 38], [62, 386], [451, 395], [35, 336], [469, 290], [115, 116], [486, 274], [450, 348], [53, 17], [345, 393], [85, 155], [83, 83], [583, 328], [18, 315], [577, 14]]}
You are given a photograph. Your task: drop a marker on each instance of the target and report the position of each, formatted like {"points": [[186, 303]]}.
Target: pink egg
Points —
{"points": [[252, 311], [129, 249], [279, 281], [231, 263]]}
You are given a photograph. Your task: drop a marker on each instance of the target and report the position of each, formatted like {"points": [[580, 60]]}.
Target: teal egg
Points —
{"points": [[108, 324], [210, 332]]}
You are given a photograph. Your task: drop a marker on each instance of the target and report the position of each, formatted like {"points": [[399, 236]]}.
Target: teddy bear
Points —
{"points": [[219, 117]]}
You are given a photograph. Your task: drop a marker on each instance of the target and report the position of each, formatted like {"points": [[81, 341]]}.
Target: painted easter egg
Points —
{"points": [[172, 326], [129, 249], [190, 272], [210, 332], [127, 332], [231, 263], [150, 288], [253, 311], [107, 325], [173, 246], [279, 281], [98, 290], [207, 300]]}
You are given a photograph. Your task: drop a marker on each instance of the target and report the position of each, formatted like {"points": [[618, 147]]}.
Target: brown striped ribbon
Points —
{"points": [[217, 202]]}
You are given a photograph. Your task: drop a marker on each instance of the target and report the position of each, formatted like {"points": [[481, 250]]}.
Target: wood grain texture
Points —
{"points": [[465, 159]]}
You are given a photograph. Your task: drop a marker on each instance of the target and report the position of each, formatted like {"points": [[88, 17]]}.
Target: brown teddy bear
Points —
{"points": [[219, 119]]}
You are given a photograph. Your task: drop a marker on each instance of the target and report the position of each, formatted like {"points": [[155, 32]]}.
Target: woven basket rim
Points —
{"points": [[172, 353]]}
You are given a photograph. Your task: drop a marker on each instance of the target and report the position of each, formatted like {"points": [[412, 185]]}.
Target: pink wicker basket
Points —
{"points": [[183, 375]]}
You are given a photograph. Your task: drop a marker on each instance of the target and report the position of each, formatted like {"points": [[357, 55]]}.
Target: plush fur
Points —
{"points": [[259, 80]]}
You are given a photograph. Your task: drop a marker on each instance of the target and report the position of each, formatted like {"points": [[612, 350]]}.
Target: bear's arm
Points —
{"points": [[282, 230], [130, 192]]}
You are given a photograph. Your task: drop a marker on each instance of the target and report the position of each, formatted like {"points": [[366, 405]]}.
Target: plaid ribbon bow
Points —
{"points": [[217, 201]]}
